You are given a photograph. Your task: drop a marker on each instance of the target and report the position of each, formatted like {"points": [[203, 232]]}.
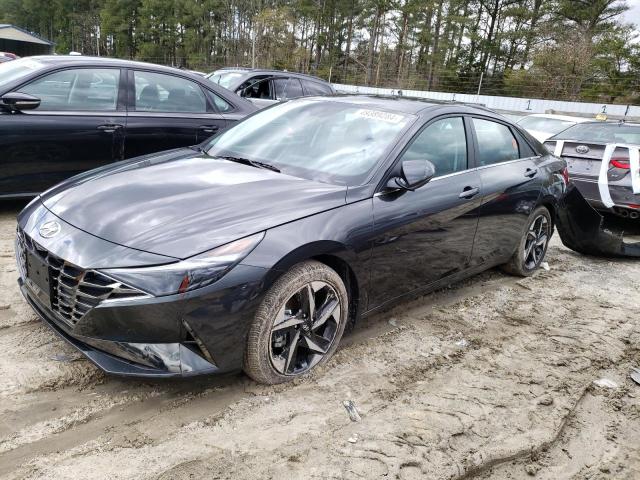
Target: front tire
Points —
{"points": [[298, 325], [533, 246]]}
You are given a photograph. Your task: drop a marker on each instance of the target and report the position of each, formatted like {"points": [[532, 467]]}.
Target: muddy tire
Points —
{"points": [[298, 325], [533, 245]]}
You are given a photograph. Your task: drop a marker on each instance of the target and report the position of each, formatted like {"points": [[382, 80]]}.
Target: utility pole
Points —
{"points": [[480, 84], [253, 50]]}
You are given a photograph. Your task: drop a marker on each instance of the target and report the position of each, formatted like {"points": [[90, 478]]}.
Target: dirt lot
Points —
{"points": [[491, 379]]}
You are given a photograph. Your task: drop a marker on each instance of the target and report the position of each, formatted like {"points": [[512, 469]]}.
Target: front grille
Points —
{"points": [[73, 290]]}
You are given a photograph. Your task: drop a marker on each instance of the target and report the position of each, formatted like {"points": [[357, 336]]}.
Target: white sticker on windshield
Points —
{"points": [[379, 115]]}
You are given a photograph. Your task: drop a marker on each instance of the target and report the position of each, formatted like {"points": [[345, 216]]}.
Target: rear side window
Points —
{"points": [[287, 88], [79, 89], [443, 143], [315, 88], [496, 143], [156, 92]]}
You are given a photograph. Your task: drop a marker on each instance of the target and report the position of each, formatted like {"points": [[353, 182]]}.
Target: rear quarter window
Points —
{"points": [[316, 88]]}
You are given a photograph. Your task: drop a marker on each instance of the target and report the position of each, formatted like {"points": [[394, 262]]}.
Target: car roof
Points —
{"points": [[112, 62], [568, 118], [407, 105], [259, 71]]}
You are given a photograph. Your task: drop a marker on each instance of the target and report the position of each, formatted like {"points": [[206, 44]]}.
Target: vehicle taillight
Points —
{"points": [[565, 175], [620, 163]]}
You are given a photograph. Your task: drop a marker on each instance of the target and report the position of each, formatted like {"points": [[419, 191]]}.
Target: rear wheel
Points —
{"points": [[298, 325], [533, 246]]}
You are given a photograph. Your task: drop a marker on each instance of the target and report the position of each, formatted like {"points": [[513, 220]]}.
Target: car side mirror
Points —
{"points": [[414, 174], [18, 101]]}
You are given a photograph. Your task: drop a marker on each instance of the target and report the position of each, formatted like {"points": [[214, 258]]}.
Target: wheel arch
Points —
{"points": [[336, 256]]}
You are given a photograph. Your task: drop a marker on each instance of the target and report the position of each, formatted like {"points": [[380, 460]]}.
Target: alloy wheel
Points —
{"points": [[536, 242], [305, 328]]}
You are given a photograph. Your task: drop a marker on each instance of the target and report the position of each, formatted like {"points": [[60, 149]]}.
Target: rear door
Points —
{"points": [[78, 126], [511, 184], [168, 111], [425, 235]]}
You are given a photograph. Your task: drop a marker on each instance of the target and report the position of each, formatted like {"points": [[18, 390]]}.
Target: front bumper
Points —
{"points": [[199, 332], [126, 359]]}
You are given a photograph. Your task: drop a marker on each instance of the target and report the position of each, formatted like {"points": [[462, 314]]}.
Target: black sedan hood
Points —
{"points": [[181, 203]]}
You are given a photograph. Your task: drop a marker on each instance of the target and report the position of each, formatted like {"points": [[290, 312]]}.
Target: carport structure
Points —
{"points": [[21, 42]]}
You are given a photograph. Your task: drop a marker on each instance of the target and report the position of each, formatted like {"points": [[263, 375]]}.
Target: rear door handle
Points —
{"points": [[531, 172], [109, 128], [209, 128], [469, 192]]}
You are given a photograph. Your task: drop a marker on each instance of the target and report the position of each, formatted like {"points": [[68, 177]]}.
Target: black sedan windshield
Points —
{"points": [[603, 133], [333, 142]]}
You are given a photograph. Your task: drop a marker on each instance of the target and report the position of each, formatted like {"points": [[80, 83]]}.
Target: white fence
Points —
{"points": [[512, 104]]}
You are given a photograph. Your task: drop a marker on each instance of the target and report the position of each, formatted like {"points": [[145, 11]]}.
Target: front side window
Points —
{"points": [[257, 87], [496, 143], [79, 89], [443, 143], [287, 88], [156, 92], [332, 142]]}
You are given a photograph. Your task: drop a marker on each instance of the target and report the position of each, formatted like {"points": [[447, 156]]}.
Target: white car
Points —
{"points": [[545, 125]]}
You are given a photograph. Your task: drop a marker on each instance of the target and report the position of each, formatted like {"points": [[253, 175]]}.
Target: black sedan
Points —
{"points": [[61, 115], [257, 251]]}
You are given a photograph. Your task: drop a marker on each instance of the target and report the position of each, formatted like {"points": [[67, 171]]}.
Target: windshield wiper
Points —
{"points": [[253, 163]]}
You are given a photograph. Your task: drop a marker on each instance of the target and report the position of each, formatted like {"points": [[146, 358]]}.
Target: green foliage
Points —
{"points": [[572, 49]]}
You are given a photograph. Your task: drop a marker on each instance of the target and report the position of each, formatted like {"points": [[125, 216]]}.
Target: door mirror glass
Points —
{"points": [[414, 174], [20, 101]]}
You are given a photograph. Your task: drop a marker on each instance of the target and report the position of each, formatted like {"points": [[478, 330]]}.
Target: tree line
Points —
{"points": [[564, 49]]}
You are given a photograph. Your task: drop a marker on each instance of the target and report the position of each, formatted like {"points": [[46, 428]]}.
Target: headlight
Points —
{"points": [[189, 274]]}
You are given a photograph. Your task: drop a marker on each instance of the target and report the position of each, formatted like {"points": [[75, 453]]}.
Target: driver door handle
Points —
{"points": [[469, 192], [209, 128], [109, 127], [531, 172]]}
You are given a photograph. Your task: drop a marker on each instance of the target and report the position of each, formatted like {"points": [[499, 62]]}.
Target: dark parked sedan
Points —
{"points": [[257, 251], [61, 115]]}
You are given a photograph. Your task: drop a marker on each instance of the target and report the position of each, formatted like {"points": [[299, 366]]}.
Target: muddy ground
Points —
{"points": [[490, 379]]}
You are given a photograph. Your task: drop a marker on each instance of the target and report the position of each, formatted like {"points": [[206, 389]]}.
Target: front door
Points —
{"points": [[167, 111], [425, 235], [78, 126]]}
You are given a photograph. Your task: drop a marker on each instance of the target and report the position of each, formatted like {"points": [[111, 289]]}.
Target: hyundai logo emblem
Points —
{"points": [[582, 149], [49, 229]]}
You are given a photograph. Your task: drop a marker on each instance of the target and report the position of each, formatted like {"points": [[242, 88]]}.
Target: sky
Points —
{"points": [[633, 14]]}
